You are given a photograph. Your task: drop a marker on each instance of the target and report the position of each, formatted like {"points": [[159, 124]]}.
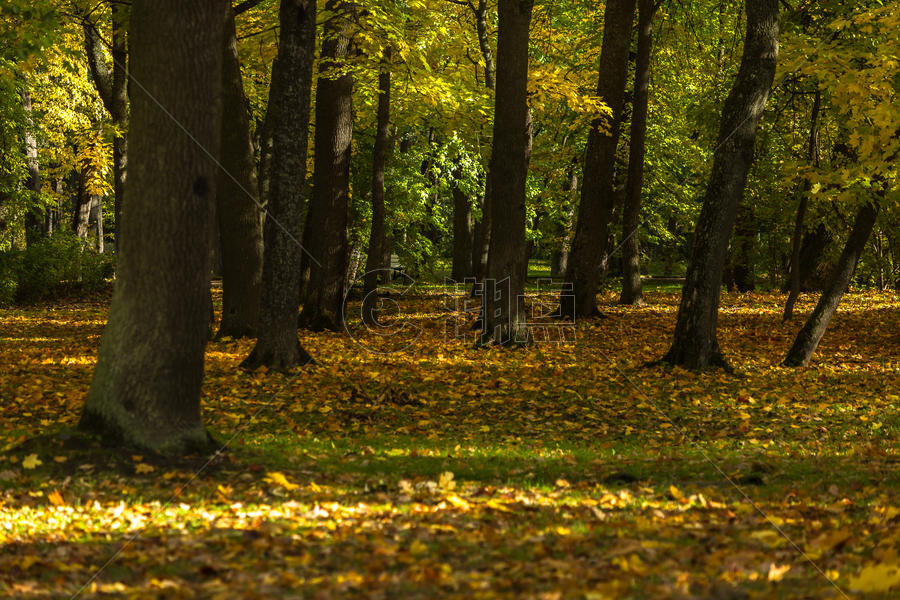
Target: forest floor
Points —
{"points": [[567, 470]]}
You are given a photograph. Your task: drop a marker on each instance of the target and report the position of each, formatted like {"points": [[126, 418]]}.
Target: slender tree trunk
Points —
{"points": [[631, 214], [237, 210], [597, 194], [801, 211], [695, 344], [34, 229], [743, 244], [375, 259], [146, 387], [81, 212], [462, 234], [808, 339], [503, 313], [277, 346], [482, 229], [97, 215], [111, 82], [560, 263], [326, 238]]}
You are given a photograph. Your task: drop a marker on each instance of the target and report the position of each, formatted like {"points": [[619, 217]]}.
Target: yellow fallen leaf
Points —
{"points": [[276, 478], [675, 492], [144, 468], [31, 461], [60, 459], [417, 548], [497, 505], [55, 498], [446, 482], [458, 502], [777, 573], [876, 578]]}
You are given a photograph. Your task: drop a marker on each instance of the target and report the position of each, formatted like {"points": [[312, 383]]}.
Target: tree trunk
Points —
{"points": [[34, 221], [237, 209], [97, 216], [146, 387], [811, 154], [111, 83], [81, 211], [597, 194], [375, 259], [695, 344], [462, 234], [482, 229], [326, 239], [814, 328], [503, 313], [631, 214], [743, 243], [560, 262], [484, 43], [277, 346]]}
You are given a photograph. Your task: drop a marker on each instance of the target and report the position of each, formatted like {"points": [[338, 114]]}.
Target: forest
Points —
{"points": [[450, 299]]}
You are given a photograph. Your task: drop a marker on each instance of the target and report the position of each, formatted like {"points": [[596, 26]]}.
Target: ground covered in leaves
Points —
{"points": [[567, 470]]}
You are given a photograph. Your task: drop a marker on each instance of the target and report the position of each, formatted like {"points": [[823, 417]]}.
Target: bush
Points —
{"points": [[63, 264]]}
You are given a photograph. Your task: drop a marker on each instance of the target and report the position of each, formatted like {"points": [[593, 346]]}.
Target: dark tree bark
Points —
{"points": [[808, 339], [811, 154], [377, 236], [597, 194], [695, 344], [503, 315], [34, 221], [631, 213], [463, 241], [481, 234], [277, 346], [237, 210], [81, 210], [146, 387], [111, 82], [326, 238]]}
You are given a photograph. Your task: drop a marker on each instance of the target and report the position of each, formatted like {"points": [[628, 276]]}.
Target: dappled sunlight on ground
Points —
{"points": [[563, 470]]}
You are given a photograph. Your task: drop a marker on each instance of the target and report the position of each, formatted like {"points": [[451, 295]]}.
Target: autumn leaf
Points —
{"points": [[278, 478], [31, 462], [876, 578]]}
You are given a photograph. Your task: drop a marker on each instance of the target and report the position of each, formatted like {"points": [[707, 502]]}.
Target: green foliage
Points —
{"points": [[53, 267]]}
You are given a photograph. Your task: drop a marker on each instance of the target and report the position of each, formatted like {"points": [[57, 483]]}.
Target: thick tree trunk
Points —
{"points": [[814, 328], [326, 238], [375, 259], [462, 235], [34, 221], [277, 346], [631, 213], [237, 209], [811, 153], [597, 194], [503, 315], [695, 344], [481, 234], [146, 387]]}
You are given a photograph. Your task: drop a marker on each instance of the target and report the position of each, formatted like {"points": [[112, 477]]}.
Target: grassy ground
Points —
{"points": [[567, 470]]}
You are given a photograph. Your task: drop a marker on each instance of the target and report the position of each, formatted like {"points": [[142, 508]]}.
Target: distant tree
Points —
{"points": [[327, 220], [505, 281], [237, 207], [277, 346], [146, 386], [808, 338], [597, 193], [695, 344], [631, 213]]}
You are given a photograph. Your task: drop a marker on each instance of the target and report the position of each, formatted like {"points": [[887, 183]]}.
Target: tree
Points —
{"points": [[808, 338], [597, 195], [146, 386], [631, 252], [378, 234], [237, 209], [503, 314], [695, 344], [111, 82], [34, 229], [326, 232], [277, 345]]}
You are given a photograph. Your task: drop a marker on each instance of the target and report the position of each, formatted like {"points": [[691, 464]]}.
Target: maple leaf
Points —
{"points": [[876, 578], [277, 478]]}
